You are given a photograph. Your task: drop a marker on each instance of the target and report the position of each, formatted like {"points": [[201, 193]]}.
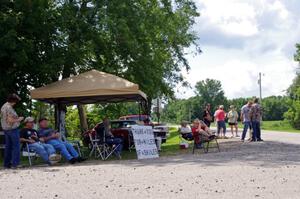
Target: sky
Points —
{"points": [[239, 39]]}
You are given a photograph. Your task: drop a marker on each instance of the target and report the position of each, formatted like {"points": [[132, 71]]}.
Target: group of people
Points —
{"points": [[250, 115], [45, 141]]}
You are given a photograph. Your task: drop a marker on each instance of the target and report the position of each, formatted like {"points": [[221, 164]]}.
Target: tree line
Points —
{"points": [[285, 107], [211, 91]]}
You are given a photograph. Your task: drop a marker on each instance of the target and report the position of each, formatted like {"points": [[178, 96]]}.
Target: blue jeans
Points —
{"points": [[116, 141], [12, 148], [43, 150], [256, 130], [65, 148], [221, 124], [188, 136], [247, 125]]}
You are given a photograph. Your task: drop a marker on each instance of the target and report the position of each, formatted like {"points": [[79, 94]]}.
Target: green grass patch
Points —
{"points": [[283, 126]]}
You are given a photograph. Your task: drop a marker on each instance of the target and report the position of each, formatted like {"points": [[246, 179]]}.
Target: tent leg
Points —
{"points": [[62, 120]]}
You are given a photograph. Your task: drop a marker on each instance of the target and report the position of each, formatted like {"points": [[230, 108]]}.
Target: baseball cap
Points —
{"points": [[28, 119]]}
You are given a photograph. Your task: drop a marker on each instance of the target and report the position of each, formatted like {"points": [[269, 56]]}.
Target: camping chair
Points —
{"points": [[94, 145], [207, 142], [26, 152], [99, 145], [131, 145]]}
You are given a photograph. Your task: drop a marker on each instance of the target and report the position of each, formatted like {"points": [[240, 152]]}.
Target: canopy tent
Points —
{"points": [[89, 88]]}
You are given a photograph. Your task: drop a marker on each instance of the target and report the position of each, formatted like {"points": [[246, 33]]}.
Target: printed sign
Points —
{"points": [[144, 142]]}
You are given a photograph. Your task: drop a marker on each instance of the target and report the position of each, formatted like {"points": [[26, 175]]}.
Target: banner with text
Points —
{"points": [[144, 142]]}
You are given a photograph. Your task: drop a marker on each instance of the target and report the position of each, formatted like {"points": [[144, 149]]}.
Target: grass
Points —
{"points": [[282, 126]]}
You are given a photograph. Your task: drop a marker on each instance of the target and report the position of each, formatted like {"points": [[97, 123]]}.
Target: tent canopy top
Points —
{"points": [[89, 88]]}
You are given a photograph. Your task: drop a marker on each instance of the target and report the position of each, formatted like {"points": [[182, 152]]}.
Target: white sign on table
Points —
{"points": [[144, 142]]}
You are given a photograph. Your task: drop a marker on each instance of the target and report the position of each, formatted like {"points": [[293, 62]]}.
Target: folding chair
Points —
{"points": [[99, 147], [95, 147], [26, 152], [207, 142], [131, 145]]}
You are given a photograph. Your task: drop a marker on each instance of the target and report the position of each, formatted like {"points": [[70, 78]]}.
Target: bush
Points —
{"points": [[293, 114]]}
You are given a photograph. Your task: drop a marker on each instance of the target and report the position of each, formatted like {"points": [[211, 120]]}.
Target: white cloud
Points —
{"points": [[231, 17], [239, 39]]}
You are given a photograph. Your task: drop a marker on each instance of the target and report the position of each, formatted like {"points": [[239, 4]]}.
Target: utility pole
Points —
{"points": [[260, 92]]}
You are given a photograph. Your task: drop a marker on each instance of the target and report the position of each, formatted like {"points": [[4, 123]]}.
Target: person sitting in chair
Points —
{"points": [[104, 134], [45, 151], [185, 131], [50, 136], [201, 131]]}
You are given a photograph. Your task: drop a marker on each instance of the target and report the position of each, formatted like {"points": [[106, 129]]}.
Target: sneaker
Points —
{"points": [[237, 136], [81, 159], [119, 156], [73, 161], [260, 140], [17, 167], [55, 157], [252, 140]]}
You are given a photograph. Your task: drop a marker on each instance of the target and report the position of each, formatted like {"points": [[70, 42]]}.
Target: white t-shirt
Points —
{"points": [[184, 130]]}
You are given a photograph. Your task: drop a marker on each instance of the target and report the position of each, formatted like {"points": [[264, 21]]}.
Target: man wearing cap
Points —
{"points": [[50, 136], [45, 151]]}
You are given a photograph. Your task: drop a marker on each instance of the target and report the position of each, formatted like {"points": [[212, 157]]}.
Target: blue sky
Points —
{"points": [[239, 39]]}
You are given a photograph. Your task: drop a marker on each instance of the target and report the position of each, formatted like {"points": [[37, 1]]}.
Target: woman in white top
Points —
{"points": [[233, 120], [185, 131]]}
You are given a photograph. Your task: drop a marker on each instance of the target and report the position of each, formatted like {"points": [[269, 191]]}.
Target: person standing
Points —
{"points": [[245, 118], [255, 117], [233, 120], [220, 116], [207, 116], [10, 122]]}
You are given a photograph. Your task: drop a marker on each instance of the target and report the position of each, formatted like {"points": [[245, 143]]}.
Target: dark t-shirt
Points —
{"points": [[28, 133], [207, 117]]}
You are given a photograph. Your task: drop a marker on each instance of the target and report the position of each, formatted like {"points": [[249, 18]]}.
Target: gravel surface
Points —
{"points": [[267, 169]]}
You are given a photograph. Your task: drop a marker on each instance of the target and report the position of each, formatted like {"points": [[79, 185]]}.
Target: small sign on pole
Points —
{"points": [[144, 141]]}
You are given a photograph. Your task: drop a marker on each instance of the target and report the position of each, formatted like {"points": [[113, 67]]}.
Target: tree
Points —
{"points": [[293, 114], [274, 107], [143, 41], [211, 91], [27, 46]]}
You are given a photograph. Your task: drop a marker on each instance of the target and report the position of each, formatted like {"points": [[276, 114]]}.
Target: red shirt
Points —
{"points": [[196, 133], [220, 115]]}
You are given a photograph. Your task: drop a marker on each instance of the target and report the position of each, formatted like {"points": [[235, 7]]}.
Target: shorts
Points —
{"points": [[232, 124]]}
